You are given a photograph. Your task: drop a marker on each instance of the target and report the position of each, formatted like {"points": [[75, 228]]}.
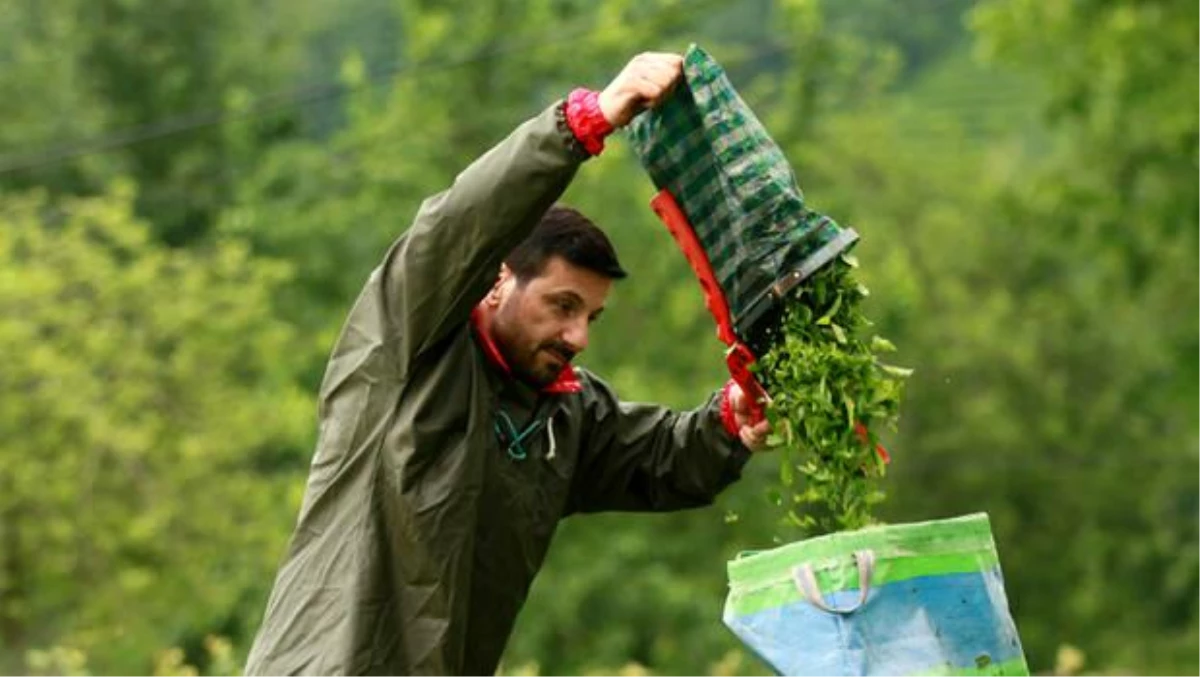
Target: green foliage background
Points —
{"points": [[192, 191]]}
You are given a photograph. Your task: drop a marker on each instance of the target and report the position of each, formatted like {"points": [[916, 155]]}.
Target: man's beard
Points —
{"points": [[541, 375], [525, 363]]}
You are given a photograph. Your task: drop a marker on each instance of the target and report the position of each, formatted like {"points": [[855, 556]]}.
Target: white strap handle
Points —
{"points": [[806, 581]]}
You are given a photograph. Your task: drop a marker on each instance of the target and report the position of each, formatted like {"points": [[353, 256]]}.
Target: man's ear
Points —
{"points": [[496, 295]]}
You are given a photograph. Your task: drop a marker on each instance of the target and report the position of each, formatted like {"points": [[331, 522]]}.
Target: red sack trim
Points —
{"points": [[727, 418]]}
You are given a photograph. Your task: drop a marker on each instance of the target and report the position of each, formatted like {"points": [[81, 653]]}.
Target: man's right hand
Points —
{"points": [[645, 82]]}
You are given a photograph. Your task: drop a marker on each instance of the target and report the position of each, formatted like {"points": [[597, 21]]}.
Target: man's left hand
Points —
{"points": [[753, 436]]}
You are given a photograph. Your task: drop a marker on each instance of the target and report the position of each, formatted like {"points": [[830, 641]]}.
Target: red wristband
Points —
{"points": [[727, 418], [586, 121]]}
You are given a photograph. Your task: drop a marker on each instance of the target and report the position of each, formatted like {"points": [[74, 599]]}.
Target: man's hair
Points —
{"points": [[567, 233]]}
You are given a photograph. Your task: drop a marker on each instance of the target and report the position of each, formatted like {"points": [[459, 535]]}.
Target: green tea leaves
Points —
{"points": [[824, 379]]}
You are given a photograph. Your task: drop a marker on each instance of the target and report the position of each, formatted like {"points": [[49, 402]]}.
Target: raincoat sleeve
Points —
{"points": [[444, 264], [646, 457]]}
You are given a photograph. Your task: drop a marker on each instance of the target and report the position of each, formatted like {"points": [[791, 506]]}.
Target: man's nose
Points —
{"points": [[576, 334]]}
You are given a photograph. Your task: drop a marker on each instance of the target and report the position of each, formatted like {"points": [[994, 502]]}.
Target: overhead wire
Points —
{"points": [[304, 95]]}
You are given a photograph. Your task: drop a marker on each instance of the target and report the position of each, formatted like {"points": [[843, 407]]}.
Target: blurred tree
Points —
{"points": [[1037, 270], [88, 74], [1107, 266], [921, 32], [142, 385], [1124, 119], [1048, 299]]}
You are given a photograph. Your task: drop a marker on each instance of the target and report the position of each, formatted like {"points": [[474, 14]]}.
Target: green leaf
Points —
{"points": [[838, 333], [900, 372], [828, 316], [882, 345], [787, 474]]}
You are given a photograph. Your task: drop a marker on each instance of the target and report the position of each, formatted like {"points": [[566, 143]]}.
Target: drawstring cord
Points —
{"points": [[513, 440]]}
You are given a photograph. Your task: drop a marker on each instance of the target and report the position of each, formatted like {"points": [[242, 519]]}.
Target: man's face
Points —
{"points": [[541, 324]]}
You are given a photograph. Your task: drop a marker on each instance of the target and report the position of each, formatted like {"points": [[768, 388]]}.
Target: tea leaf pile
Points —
{"points": [[830, 396]]}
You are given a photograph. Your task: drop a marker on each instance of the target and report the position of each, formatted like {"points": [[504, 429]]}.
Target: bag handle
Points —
{"points": [[806, 581]]}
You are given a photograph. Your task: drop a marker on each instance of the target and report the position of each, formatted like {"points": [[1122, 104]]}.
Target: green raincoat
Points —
{"points": [[419, 534]]}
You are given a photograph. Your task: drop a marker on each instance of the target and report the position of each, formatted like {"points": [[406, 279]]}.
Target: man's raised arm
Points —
{"points": [[437, 271]]}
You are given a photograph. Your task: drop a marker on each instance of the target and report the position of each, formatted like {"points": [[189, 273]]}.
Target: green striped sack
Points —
{"points": [[708, 150], [907, 599]]}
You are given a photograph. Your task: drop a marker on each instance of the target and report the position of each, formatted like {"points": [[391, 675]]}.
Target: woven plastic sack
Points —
{"points": [[708, 150], [907, 599]]}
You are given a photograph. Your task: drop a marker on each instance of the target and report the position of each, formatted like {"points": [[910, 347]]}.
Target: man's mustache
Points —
{"points": [[561, 348]]}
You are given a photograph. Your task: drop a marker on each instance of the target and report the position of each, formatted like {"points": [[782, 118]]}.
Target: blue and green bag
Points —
{"points": [[907, 599]]}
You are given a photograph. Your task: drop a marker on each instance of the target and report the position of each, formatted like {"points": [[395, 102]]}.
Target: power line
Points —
{"points": [[284, 99], [301, 96], [187, 122]]}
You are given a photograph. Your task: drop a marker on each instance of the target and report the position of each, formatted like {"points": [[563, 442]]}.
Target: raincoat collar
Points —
{"points": [[567, 381]]}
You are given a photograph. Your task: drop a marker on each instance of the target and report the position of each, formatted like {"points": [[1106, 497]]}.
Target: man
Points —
{"points": [[454, 432]]}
